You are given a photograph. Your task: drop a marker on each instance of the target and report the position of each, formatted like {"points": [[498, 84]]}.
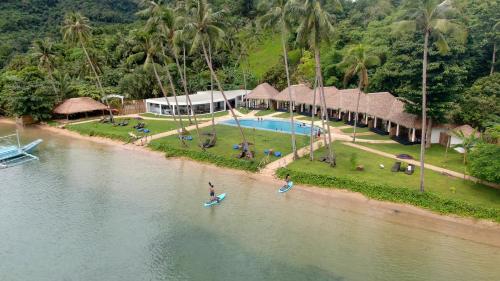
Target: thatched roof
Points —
{"points": [[79, 105], [263, 92], [298, 92]]}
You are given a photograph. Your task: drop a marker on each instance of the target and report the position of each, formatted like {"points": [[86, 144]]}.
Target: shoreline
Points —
{"points": [[404, 214]]}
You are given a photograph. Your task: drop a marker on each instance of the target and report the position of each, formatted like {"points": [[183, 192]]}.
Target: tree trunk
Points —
{"points": [[292, 123], [428, 135], [51, 78], [219, 85], [211, 90], [357, 110], [331, 155], [98, 81], [313, 115], [174, 93], [184, 85], [493, 59], [424, 111], [168, 102], [182, 74]]}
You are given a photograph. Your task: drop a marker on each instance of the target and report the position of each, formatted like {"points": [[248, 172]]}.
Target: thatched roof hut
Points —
{"points": [[298, 92], [262, 92], [79, 105]]}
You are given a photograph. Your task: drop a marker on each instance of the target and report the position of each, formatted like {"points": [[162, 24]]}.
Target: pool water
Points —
{"points": [[301, 128]]}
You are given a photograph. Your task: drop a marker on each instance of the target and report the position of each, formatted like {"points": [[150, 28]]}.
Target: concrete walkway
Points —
{"points": [[271, 168], [417, 163]]}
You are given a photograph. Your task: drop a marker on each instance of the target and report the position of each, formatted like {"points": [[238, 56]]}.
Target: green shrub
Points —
{"points": [[401, 194], [206, 156], [354, 160], [484, 162]]}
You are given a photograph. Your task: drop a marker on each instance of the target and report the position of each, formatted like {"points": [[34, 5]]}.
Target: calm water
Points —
{"points": [[94, 212], [301, 128]]}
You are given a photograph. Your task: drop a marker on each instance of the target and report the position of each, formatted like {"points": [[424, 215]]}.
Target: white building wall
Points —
{"points": [[436, 132]]}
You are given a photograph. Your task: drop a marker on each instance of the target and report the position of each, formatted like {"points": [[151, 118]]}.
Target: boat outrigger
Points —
{"points": [[15, 155]]}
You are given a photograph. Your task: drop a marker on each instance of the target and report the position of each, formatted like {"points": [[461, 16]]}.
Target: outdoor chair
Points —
{"points": [[410, 170], [395, 168]]}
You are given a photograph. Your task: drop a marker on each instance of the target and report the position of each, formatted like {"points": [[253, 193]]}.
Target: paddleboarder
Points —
{"points": [[212, 193]]}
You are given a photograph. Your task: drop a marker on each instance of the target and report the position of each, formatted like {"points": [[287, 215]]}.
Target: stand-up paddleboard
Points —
{"points": [[286, 187], [211, 203]]}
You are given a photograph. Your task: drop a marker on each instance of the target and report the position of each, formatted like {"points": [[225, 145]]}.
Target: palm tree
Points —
{"points": [[278, 14], [357, 61], [315, 27], [77, 30], [161, 20], [467, 142], [431, 17], [205, 31], [147, 48], [44, 53], [496, 36]]}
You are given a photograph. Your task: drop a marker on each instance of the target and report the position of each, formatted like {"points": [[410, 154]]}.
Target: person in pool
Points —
{"points": [[212, 193]]}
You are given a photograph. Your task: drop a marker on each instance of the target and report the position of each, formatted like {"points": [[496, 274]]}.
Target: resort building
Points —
{"points": [[299, 92], [262, 97], [82, 105], [202, 103]]}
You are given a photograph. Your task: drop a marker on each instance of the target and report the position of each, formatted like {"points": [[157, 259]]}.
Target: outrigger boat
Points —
{"points": [[13, 155]]}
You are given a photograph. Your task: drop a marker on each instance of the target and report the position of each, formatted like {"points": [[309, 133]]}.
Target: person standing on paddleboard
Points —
{"points": [[287, 180], [212, 193]]}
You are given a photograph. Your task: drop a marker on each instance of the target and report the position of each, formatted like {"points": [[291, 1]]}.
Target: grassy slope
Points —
{"points": [[227, 136], [437, 183], [121, 133], [265, 112], [265, 55], [434, 155]]}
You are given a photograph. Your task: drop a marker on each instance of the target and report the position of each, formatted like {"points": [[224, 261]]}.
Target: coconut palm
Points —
{"points": [[316, 27], [76, 30], [432, 18], [205, 31], [467, 142], [357, 61], [147, 48], [44, 53], [277, 16], [161, 20]]}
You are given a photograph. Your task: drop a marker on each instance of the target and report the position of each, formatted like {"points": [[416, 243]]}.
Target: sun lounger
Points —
{"points": [[395, 168], [277, 154], [410, 170]]}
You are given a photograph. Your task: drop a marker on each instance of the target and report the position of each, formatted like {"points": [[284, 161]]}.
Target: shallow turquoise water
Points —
{"points": [[94, 212], [301, 128]]}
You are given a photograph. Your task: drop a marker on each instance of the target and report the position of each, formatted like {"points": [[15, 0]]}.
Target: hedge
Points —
{"points": [[427, 200], [206, 156]]}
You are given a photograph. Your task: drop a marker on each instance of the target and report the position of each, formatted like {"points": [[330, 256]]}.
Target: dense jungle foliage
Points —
{"points": [[38, 65]]}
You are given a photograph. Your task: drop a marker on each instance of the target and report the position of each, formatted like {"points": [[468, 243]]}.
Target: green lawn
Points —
{"points": [[374, 136], [443, 185], [264, 56], [265, 112], [358, 130], [243, 110], [227, 136], [201, 116], [434, 155], [121, 133]]}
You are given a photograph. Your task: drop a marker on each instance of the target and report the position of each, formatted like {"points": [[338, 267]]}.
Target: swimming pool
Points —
{"points": [[301, 127]]}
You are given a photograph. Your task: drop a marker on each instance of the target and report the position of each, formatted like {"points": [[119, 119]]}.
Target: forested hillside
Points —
{"points": [[250, 52]]}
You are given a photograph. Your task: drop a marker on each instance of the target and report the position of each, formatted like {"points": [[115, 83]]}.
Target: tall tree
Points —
{"points": [[76, 30], [495, 38], [278, 15], [44, 53], [205, 30], [147, 48], [316, 27], [357, 61], [430, 17]]}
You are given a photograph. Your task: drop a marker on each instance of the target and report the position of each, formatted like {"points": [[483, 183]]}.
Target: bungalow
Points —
{"points": [[262, 97], [298, 92], [202, 103]]}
